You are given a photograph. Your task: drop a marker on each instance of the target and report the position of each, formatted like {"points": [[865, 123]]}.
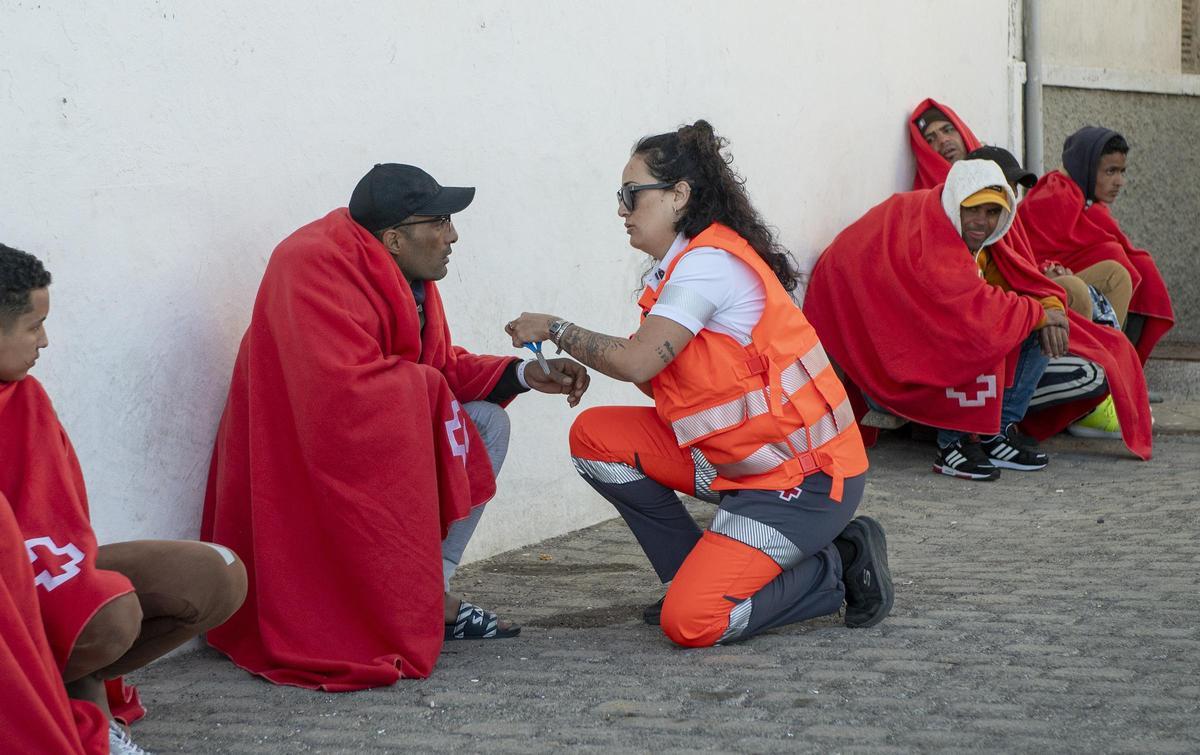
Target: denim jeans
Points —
{"points": [[1030, 366]]}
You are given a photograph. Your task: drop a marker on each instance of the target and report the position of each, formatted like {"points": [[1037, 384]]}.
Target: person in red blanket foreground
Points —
{"points": [[105, 609], [964, 320], [358, 445], [1070, 227]]}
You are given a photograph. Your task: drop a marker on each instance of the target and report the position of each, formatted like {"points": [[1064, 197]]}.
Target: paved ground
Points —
{"points": [[1052, 611]]}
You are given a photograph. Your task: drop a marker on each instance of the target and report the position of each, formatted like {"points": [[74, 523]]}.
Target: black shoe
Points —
{"points": [[965, 458], [653, 613], [1018, 438], [1011, 454], [868, 582]]}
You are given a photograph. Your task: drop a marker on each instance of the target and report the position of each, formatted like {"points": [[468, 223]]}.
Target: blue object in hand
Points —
{"points": [[536, 348]]}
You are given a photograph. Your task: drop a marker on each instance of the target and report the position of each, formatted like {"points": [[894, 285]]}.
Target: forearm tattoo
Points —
{"points": [[596, 350], [666, 352]]}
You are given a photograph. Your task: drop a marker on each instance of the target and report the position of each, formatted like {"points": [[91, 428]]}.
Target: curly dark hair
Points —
{"points": [[694, 153], [20, 273]]}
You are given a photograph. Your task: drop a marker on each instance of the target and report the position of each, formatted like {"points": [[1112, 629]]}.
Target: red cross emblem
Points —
{"points": [[53, 564]]}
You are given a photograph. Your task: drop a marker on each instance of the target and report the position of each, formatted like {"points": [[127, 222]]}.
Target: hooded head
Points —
{"points": [[1081, 156], [968, 178]]}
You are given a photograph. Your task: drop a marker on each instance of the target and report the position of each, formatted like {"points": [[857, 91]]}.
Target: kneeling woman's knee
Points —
{"points": [[689, 624], [582, 430], [106, 638]]}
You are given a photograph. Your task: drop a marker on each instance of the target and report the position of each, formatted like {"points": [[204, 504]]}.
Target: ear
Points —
{"points": [[683, 192]]}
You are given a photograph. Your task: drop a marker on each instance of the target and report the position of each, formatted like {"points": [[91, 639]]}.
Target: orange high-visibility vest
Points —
{"points": [[768, 414]]}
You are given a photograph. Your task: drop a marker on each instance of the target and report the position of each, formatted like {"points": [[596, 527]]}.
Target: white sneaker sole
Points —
{"points": [[952, 472], [1091, 432], [1019, 467]]}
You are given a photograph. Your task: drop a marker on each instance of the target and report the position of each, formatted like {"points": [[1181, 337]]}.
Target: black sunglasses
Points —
{"points": [[443, 219], [626, 194]]}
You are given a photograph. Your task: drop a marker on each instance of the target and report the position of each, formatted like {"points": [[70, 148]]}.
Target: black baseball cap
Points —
{"points": [[1013, 172], [391, 192]]}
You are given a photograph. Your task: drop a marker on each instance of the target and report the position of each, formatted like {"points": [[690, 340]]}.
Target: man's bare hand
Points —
{"points": [[566, 376], [1055, 270], [1055, 337]]}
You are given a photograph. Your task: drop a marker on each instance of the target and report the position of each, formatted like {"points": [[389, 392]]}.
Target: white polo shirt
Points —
{"points": [[710, 288]]}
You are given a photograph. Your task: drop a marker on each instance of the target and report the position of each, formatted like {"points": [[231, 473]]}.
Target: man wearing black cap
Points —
{"points": [[359, 443]]}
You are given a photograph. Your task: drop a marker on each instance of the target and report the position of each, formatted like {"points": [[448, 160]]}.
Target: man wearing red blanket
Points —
{"points": [[106, 610], [35, 713], [961, 320], [1071, 385], [358, 445], [1068, 221], [939, 138]]}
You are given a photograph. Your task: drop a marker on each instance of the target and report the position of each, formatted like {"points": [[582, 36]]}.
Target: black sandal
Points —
{"points": [[474, 623]]}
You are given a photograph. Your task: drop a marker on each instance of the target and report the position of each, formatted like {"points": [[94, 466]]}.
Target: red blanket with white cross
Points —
{"points": [[35, 713], [41, 478], [342, 458], [901, 307]]}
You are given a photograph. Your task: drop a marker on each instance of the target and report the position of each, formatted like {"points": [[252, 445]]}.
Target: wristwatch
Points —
{"points": [[556, 328]]}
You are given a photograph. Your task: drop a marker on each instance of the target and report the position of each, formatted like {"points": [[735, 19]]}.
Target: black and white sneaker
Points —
{"points": [[868, 581], [1011, 454], [965, 458]]}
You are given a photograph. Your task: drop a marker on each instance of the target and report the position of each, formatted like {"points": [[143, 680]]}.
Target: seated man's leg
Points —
{"points": [[1067, 379], [1002, 449], [494, 428], [632, 459], [1078, 298], [107, 636], [1111, 279], [767, 560], [183, 587]]}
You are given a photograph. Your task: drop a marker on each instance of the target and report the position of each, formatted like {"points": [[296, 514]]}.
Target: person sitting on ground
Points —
{"points": [[1072, 387], [962, 320], [106, 609], [36, 715], [358, 445], [1071, 227], [939, 138], [747, 414]]}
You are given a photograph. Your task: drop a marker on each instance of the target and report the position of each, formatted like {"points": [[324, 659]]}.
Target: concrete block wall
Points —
{"points": [[1160, 205]]}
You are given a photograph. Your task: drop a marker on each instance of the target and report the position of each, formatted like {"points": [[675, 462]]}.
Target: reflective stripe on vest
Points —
{"points": [[732, 413], [771, 455]]}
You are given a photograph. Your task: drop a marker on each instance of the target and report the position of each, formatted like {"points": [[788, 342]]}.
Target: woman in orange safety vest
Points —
{"points": [[747, 414]]}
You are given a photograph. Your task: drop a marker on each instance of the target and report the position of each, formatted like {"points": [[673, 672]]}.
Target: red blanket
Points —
{"points": [[1061, 228], [342, 457], [43, 483], [932, 167], [898, 301], [36, 716], [1103, 345]]}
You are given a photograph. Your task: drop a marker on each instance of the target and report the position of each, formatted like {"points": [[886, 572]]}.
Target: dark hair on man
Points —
{"points": [[20, 273], [694, 153], [1116, 144]]}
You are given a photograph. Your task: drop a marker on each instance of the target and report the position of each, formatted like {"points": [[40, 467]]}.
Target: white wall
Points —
{"points": [[153, 153]]}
